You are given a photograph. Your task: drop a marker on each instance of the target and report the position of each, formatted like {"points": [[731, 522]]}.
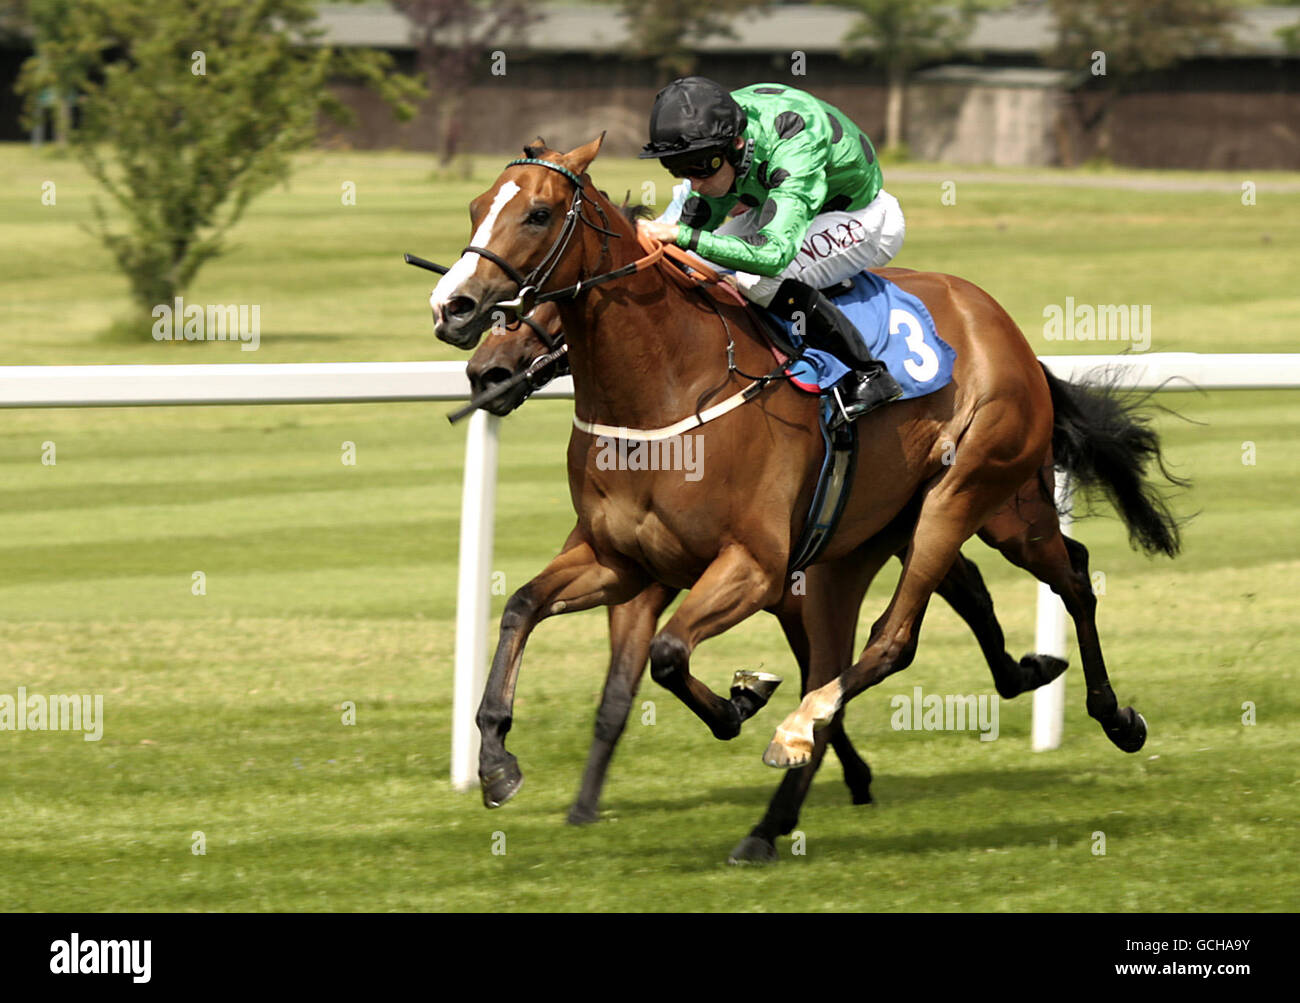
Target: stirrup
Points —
{"points": [[883, 389]]}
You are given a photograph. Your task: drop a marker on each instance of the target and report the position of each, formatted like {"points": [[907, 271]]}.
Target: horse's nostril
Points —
{"points": [[458, 306], [481, 378]]}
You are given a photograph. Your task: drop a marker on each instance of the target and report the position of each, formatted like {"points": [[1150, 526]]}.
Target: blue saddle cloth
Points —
{"points": [[896, 328]]}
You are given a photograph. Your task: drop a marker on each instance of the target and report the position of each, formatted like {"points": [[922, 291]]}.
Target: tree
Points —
{"points": [[454, 41], [670, 31], [1118, 40], [1290, 35], [41, 20], [188, 109], [906, 33]]}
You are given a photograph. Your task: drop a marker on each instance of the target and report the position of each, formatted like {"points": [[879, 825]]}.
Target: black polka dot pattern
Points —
{"points": [[837, 129], [789, 124], [769, 90], [768, 212], [770, 181], [866, 148], [695, 212], [755, 239], [838, 204], [749, 200]]}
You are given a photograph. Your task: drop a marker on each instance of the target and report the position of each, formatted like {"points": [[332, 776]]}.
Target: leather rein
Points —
{"points": [[690, 273]]}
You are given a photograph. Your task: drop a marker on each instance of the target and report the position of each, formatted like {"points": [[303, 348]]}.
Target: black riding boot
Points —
{"points": [[869, 384]]}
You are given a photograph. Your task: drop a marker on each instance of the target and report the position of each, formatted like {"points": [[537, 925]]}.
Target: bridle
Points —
{"points": [[528, 297], [691, 273]]}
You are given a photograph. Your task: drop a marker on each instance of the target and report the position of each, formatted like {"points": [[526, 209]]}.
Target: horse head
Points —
{"points": [[523, 226], [513, 349]]}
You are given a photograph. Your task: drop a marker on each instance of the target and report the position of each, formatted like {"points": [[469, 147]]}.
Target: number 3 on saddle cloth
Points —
{"points": [[896, 328]]}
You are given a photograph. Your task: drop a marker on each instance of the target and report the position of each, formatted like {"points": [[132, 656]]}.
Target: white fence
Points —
{"points": [[355, 383]]}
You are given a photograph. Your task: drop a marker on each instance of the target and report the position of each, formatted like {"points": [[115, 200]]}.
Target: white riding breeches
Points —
{"points": [[837, 246]]}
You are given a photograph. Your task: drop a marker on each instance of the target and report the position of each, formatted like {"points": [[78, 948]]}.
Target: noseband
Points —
{"points": [[690, 271]]}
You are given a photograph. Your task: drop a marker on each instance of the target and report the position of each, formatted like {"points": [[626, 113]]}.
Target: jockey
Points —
{"points": [[817, 214]]}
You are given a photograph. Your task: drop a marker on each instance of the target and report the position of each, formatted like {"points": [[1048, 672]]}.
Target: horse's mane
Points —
{"points": [[632, 211]]}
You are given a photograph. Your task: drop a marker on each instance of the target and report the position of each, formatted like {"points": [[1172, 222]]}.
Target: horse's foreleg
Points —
{"points": [[631, 625], [732, 588], [578, 578]]}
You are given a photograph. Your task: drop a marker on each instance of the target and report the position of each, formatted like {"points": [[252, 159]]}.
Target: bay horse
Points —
{"points": [[510, 363], [646, 353]]}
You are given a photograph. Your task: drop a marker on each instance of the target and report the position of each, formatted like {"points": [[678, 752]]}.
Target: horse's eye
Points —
{"points": [[539, 217]]}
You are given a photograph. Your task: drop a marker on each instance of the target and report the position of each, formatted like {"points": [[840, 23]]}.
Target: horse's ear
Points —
{"points": [[536, 148], [580, 159]]}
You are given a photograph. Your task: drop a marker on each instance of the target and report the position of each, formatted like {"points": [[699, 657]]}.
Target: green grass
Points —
{"points": [[327, 583]]}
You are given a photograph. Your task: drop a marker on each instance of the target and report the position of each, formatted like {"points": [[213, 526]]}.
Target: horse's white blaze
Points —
{"points": [[449, 285]]}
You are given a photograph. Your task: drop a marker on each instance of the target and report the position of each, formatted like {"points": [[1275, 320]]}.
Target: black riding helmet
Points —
{"points": [[691, 118]]}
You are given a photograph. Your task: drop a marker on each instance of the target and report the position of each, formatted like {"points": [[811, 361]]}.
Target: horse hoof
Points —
{"points": [[862, 797], [1041, 669], [753, 850], [761, 684], [750, 691], [787, 752], [582, 815], [1130, 734], [501, 784]]}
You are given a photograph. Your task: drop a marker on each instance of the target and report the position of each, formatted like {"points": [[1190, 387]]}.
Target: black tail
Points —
{"points": [[1101, 437]]}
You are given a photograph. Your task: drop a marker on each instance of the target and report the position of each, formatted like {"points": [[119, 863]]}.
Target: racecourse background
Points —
{"points": [[329, 583]]}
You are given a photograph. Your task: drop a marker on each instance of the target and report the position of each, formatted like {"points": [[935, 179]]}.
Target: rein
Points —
{"points": [[688, 272], [528, 296]]}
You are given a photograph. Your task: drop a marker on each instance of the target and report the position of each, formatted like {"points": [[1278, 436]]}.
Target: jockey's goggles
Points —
{"points": [[694, 165]]}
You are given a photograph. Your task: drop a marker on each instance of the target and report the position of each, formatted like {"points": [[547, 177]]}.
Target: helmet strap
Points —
{"points": [[741, 158]]}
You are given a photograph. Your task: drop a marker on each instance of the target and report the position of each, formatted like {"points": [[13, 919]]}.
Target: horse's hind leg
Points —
{"points": [[824, 628], [1029, 534], [857, 774], [964, 590], [631, 625], [988, 466]]}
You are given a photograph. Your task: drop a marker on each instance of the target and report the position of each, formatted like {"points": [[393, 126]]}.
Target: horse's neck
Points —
{"points": [[647, 352]]}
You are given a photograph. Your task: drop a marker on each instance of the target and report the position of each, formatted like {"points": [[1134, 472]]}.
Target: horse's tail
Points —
{"points": [[1103, 439]]}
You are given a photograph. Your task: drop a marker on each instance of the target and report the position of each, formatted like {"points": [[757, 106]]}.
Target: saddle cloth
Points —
{"points": [[895, 327]]}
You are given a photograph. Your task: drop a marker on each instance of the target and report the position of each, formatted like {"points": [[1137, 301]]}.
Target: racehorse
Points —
{"points": [[508, 365], [646, 353]]}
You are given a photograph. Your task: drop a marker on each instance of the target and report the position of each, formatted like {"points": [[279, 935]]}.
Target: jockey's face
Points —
{"points": [[720, 183]]}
